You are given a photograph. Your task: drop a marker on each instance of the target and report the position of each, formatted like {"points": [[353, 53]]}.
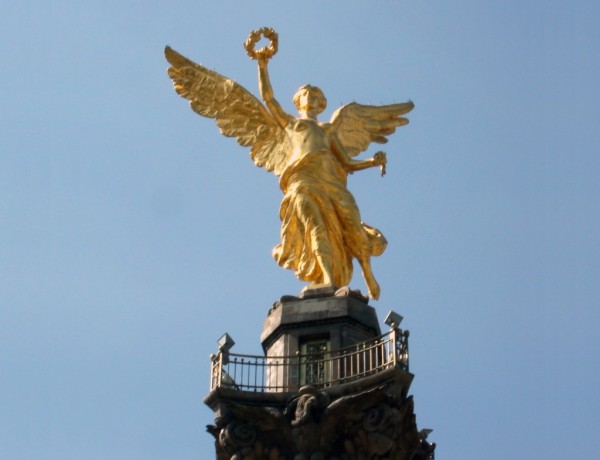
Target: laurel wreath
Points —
{"points": [[266, 52]]}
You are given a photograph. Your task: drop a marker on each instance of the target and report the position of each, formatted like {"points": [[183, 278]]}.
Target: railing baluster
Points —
{"points": [[235, 367], [364, 356], [255, 372], [322, 368]]}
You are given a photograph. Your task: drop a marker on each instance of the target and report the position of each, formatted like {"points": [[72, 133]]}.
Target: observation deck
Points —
{"points": [[318, 366], [330, 385]]}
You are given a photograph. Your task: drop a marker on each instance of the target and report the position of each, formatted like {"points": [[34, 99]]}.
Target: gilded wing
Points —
{"points": [[236, 111], [358, 125]]}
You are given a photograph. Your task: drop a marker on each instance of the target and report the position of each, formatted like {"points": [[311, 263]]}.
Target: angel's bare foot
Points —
{"points": [[374, 289], [372, 284]]}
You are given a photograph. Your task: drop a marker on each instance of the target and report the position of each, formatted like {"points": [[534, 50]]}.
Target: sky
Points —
{"points": [[133, 235]]}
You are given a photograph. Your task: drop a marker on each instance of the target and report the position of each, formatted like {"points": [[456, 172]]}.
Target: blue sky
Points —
{"points": [[132, 234]]}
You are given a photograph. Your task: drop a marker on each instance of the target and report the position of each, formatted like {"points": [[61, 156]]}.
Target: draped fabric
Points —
{"points": [[320, 216]]}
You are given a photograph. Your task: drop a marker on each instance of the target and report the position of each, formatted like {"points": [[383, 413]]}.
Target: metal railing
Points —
{"points": [[263, 374]]}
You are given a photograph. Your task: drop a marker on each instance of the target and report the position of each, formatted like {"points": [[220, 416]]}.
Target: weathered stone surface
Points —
{"points": [[330, 314], [350, 414], [337, 318], [375, 422]]}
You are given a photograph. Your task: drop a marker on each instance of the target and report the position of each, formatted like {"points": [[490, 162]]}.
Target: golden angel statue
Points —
{"points": [[321, 228]]}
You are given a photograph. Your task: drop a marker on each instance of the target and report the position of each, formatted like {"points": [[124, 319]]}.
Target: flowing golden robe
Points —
{"points": [[320, 216], [321, 231]]}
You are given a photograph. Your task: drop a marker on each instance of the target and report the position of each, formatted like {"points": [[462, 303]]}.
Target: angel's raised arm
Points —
{"points": [[267, 95]]}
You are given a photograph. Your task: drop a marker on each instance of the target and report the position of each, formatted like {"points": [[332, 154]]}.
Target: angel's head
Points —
{"points": [[310, 98]]}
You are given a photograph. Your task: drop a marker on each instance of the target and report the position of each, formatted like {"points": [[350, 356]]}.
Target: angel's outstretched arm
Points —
{"points": [[266, 92], [351, 165]]}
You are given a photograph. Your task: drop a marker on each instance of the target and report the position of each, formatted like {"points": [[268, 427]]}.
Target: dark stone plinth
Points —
{"points": [[343, 317], [322, 408], [372, 418]]}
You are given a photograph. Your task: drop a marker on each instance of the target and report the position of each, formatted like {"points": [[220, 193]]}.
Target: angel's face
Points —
{"points": [[310, 99]]}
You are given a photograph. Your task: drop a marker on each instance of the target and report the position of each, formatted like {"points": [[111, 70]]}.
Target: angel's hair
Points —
{"points": [[306, 88]]}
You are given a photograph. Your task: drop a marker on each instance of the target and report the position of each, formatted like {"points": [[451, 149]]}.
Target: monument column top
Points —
{"points": [[292, 313]]}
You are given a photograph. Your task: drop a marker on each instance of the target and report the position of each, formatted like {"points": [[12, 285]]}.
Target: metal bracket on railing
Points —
{"points": [[225, 344], [393, 319]]}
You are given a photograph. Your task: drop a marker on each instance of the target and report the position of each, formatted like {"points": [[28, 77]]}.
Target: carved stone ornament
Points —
{"points": [[376, 424]]}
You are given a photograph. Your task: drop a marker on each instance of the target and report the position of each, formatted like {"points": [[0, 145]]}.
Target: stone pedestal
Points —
{"points": [[369, 416], [371, 419], [320, 320], [344, 320]]}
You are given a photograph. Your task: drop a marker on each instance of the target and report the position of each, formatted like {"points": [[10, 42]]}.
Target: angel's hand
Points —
{"points": [[262, 62], [380, 159]]}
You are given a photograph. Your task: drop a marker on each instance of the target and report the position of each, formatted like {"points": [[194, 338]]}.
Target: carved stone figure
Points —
{"points": [[306, 410], [375, 423], [321, 227]]}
